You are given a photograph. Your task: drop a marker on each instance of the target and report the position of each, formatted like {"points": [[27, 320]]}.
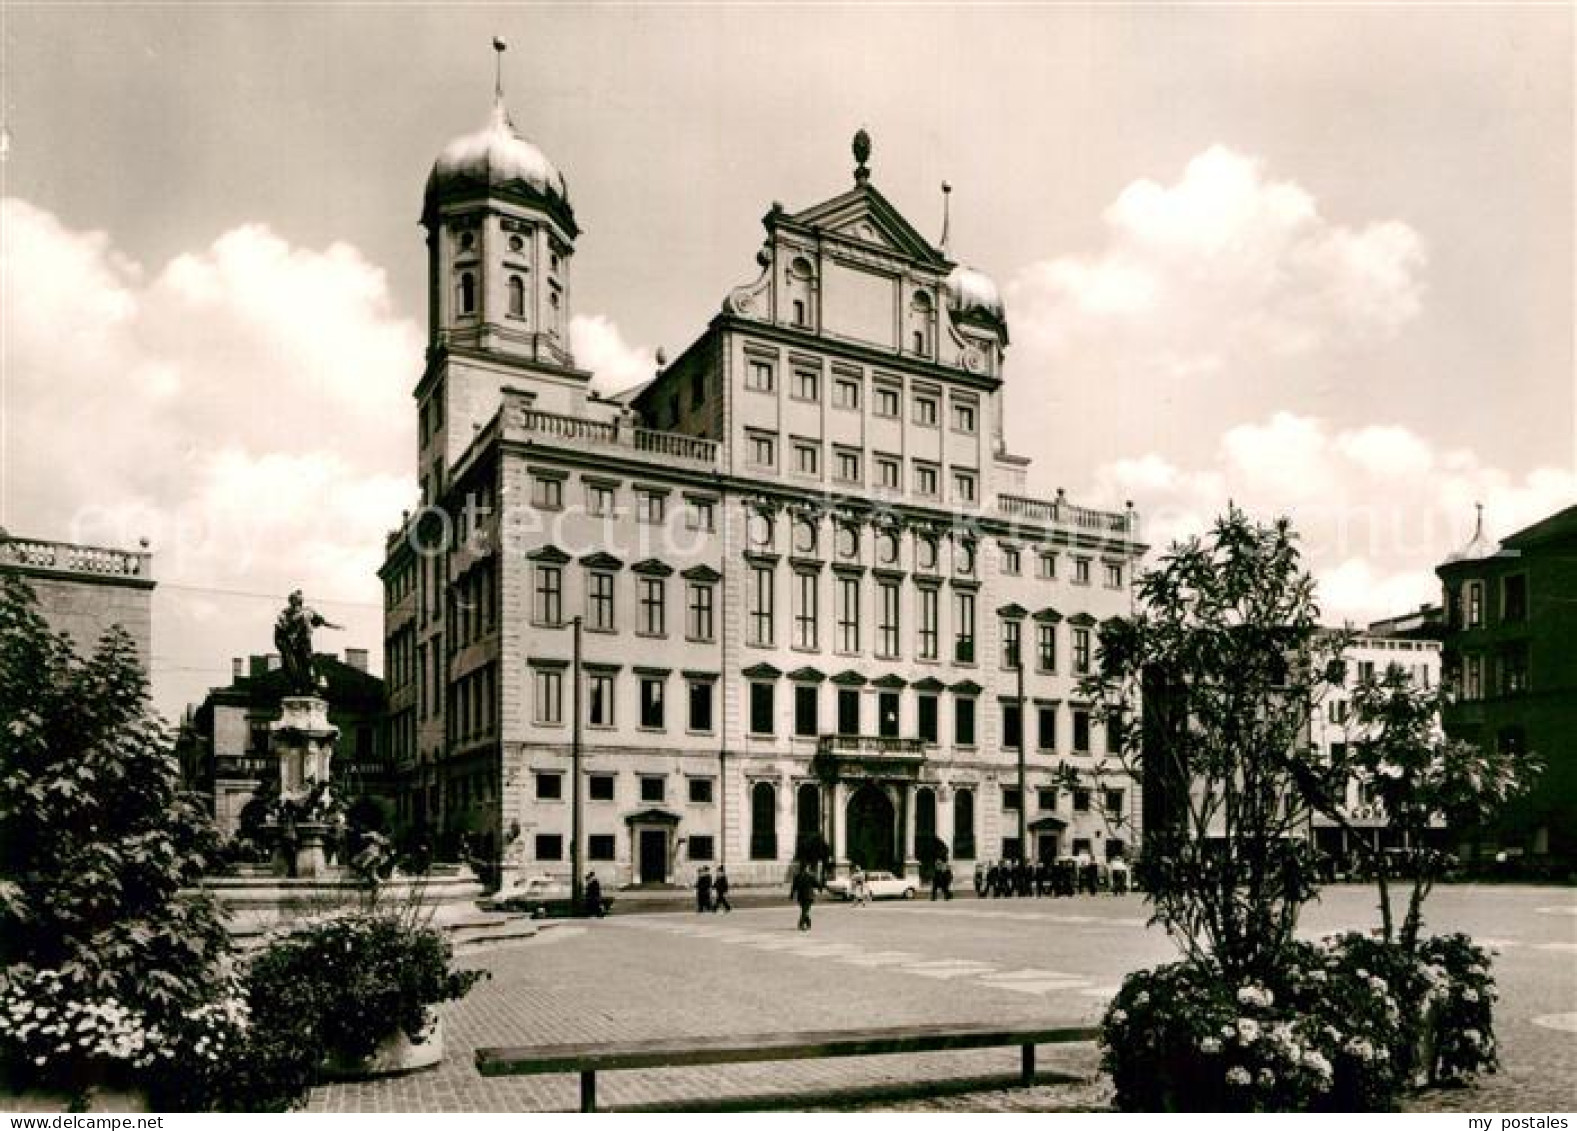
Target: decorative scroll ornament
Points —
{"points": [[749, 300]]}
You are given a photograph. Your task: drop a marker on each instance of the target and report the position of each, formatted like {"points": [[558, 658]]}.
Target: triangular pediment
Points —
{"points": [[866, 216]]}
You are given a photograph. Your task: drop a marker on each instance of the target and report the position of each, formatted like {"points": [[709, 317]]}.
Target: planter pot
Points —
{"points": [[395, 1055]]}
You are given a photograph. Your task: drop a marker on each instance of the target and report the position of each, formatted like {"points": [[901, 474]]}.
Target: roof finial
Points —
{"points": [[862, 154], [947, 197], [499, 47], [1478, 524]]}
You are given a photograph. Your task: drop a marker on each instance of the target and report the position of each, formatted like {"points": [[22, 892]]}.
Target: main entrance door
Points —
{"points": [[654, 856], [873, 830]]}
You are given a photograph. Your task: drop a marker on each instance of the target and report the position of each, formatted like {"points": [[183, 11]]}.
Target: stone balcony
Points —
{"points": [[612, 436], [68, 558], [1060, 512]]}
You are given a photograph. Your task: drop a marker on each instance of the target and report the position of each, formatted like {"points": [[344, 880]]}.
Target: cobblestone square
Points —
{"points": [[681, 974]]}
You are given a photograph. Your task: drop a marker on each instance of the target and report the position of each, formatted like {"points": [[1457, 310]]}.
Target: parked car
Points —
{"points": [[882, 885], [541, 897]]}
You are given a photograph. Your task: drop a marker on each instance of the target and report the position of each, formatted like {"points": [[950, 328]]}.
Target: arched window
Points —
{"points": [[964, 825], [763, 821], [553, 301], [800, 280], [807, 818], [467, 296], [920, 322], [517, 296]]}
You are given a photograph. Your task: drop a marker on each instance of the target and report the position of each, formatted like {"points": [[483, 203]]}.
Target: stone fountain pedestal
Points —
{"points": [[302, 738]]}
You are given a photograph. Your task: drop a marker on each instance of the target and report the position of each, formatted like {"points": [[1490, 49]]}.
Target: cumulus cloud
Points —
{"points": [[246, 407], [600, 348], [1377, 506]]}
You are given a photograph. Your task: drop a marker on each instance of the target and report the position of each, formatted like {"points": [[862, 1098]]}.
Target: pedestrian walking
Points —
{"points": [[859, 890], [980, 880], [593, 895], [947, 881], [720, 891], [703, 890], [1119, 876], [803, 892], [936, 881]]}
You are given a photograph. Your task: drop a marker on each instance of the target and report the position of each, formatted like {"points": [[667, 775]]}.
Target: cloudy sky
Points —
{"points": [[1316, 260]]}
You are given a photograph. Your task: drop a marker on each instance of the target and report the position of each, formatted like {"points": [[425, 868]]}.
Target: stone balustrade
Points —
{"points": [[676, 447], [1060, 512], [66, 557]]}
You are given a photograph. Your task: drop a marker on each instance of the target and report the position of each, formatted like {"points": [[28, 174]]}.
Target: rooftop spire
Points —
{"points": [[862, 154], [1478, 524], [499, 47], [947, 197]]}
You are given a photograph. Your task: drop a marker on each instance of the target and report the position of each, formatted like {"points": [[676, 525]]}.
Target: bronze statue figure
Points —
{"points": [[293, 639]]}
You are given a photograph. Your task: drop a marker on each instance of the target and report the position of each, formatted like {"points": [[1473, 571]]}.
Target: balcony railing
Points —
{"points": [[870, 746], [1060, 512], [580, 431], [69, 558]]}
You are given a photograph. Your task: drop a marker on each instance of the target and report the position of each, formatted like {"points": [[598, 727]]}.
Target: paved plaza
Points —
{"points": [[681, 974]]}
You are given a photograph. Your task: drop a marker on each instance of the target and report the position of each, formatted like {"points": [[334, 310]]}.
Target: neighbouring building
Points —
{"points": [[779, 592], [224, 742], [1511, 660], [83, 591], [1333, 725]]}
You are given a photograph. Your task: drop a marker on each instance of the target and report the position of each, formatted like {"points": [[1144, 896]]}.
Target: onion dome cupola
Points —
{"points": [[501, 234], [972, 295], [1481, 546]]}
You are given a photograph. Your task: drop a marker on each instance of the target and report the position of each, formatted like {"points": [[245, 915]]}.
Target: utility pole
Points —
{"points": [[1023, 726], [577, 884]]}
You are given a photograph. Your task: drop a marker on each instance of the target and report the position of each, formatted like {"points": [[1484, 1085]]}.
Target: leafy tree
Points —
{"points": [[1419, 777], [1227, 661]]}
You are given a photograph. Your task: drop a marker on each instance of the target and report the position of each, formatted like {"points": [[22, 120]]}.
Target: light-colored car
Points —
{"points": [[540, 897], [882, 885]]}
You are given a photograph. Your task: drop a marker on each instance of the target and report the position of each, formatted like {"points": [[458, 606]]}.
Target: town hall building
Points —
{"points": [[788, 592]]}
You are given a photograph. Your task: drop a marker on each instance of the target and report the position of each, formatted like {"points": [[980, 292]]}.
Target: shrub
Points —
{"points": [[1465, 1032]]}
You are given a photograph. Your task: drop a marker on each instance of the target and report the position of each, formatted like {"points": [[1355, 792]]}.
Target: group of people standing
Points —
{"points": [[1008, 878], [711, 892]]}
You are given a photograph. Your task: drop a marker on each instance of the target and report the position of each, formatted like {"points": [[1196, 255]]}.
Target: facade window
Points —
{"points": [[650, 506], [700, 847], [699, 613], [1046, 647], [887, 401], [763, 821], [846, 392], [1012, 799], [760, 530], [1475, 677], [963, 628], [887, 714], [800, 317], [848, 614], [805, 586], [654, 789], [964, 825], [848, 711], [700, 514], [849, 466], [963, 721], [1114, 575], [652, 695], [1012, 560], [547, 696], [925, 718], [804, 536], [517, 297], [1514, 598], [887, 548], [848, 542], [599, 500], [925, 411], [1081, 571], [807, 385], [467, 295], [1475, 604], [599, 700], [1514, 670], [653, 606], [1012, 726], [807, 458], [887, 629], [763, 450], [1046, 566], [1046, 727], [925, 477], [697, 390], [1081, 801], [701, 706], [600, 847], [761, 603], [1081, 731], [1114, 800], [1081, 651], [599, 601], [807, 721], [550, 787], [1046, 800], [964, 486], [926, 601], [761, 708], [759, 376], [925, 554], [700, 791], [964, 558], [963, 417], [547, 493], [550, 846], [599, 787], [1011, 636], [889, 473], [548, 597]]}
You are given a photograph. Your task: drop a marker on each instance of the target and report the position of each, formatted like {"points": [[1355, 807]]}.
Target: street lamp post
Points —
{"points": [[577, 887], [1023, 726]]}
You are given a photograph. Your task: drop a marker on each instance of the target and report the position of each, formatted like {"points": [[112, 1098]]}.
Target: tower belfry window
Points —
{"points": [[467, 295], [517, 297]]}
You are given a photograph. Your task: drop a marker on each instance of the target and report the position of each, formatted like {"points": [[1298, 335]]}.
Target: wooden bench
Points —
{"points": [[604, 1056]]}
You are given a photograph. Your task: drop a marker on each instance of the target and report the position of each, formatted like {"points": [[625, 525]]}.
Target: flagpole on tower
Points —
{"points": [[499, 47]]}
